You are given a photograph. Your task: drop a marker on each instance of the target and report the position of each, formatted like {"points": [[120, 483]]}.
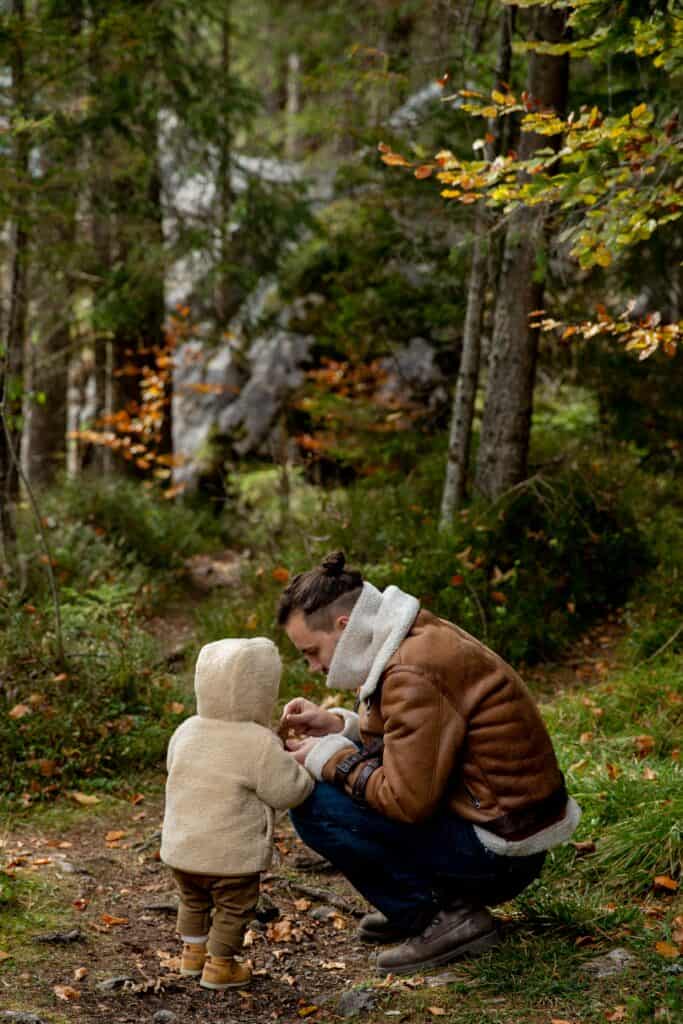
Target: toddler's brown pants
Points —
{"points": [[233, 899]]}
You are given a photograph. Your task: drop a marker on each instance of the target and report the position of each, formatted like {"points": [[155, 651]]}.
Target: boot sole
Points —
{"points": [[375, 939], [216, 987], [479, 945]]}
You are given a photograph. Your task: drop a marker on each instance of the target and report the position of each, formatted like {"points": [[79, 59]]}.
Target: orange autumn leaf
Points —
{"points": [[66, 992], [618, 1013], [280, 574], [425, 171], [664, 882], [666, 949], [644, 745], [111, 921], [115, 834]]}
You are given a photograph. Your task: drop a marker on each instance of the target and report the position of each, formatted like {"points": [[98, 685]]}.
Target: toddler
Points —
{"points": [[227, 772]]}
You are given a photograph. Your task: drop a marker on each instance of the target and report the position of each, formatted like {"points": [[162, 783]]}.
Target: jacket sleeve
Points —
{"points": [[423, 734], [281, 782]]}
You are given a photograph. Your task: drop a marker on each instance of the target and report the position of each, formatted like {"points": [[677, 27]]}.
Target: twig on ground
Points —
{"points": [[660, 650], [323, 895]]}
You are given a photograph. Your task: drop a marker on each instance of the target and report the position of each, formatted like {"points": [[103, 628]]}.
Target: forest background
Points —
{"points": [[402, 279]]}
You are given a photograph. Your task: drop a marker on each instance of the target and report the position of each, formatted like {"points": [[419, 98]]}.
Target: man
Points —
{"points": [[439, 797]]}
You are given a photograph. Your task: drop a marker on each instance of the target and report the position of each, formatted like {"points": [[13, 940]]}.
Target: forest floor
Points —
{"points": [[95, 940]]}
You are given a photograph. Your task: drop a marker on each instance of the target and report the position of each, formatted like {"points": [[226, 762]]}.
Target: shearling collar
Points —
{"points": [[378, 624]]}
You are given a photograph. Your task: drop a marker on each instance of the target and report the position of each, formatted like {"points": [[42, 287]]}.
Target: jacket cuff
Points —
{"points": [[324, 749], [351, 723]]}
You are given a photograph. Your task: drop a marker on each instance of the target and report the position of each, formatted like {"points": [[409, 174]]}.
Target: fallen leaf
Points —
{"points": [[66, 992], [666, 949], [286, 978], [61, 678], [280, 931], [664, 882], [111, 837], [85, 799], [333, 965], [618, 1013], [43, 860], [252, 621], [5, 956], [648, 774], [138, 798], [110, 920], [559, 1020], [80, 903], [306, 1011], [280, 574], [644, 745], [80, 973], [19, 710], [339, 923], [302, 904], [175, 708], [586, 737], [249, 937], [613, 770], [169, 961], [437, 1011], [586, 846]]}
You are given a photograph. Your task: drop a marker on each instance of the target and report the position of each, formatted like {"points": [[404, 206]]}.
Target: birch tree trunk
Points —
{"points": [[460, 436], [506, 424]]}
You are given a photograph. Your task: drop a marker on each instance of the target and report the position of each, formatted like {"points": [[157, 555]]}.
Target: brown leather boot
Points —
{"points": [[221, 972], [377, 928], [454, 932], [192, 960]]}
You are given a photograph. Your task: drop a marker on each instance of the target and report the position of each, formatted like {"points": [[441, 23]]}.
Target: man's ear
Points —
{"points": [[341, 622]]}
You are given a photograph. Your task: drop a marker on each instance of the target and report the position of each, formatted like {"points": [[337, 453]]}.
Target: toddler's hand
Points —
{"points": [[299, 749]]}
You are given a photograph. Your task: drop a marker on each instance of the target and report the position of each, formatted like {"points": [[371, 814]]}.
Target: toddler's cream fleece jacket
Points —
{"points": [[227, 772]]}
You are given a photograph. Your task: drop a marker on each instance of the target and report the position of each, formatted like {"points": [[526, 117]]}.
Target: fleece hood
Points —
{"points": [[237, 680]]}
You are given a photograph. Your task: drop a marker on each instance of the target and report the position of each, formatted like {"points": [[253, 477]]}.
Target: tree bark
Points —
{"points": [[506, 423], [468, 376], [12, 366]]}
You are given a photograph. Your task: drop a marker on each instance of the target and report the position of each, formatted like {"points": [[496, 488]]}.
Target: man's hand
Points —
{"points": [[307, 719], [299, 749]]}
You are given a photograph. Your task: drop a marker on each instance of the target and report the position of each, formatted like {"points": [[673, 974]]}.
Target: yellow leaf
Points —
{"points": [[110, 920], [437, 1011], [666, 949], [5, 956], [80, 973], [302, 904], [85, 799]]}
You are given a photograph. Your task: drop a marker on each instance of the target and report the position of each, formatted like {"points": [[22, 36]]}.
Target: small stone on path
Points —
{"points": [[163, 1017], [75, 935], [20, 1017], [355, 1001], [111, 984], [323, 913], [615, 962]]}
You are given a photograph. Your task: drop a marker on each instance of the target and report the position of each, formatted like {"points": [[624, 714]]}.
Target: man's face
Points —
{"points": [[316, 645]]}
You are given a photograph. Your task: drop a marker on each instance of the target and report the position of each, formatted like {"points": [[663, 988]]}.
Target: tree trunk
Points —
{"points": [[225, 292], [12, 366], [506, 424], [468, 376], [45, 420]]}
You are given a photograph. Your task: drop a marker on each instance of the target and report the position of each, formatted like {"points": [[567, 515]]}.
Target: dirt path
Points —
{"points": [[104, 881], [98, 881]]}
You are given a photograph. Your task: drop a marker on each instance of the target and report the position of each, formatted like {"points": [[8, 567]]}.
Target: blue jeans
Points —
{"points": [[408, 871]]}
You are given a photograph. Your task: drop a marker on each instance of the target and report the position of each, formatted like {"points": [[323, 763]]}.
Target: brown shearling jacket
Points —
{"points": [[455, 727]]}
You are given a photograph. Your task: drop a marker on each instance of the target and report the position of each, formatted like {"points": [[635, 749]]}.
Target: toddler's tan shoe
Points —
{"points": [[224, 972], [192, 961]]}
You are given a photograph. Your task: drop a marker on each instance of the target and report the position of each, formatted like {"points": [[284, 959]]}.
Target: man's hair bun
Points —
{"points": [[333, 564]]}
